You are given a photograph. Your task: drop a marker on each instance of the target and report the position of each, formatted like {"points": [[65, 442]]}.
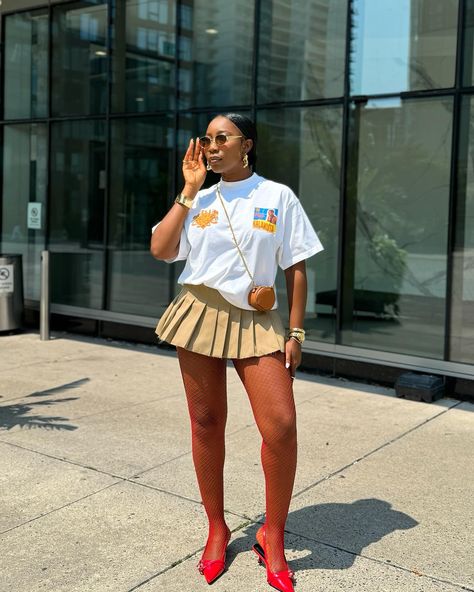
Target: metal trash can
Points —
{"points": [[11, 292]]}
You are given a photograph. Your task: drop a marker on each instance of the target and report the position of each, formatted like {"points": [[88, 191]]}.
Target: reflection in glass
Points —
{"points": [[77, 212], [25, 149], [79, 64], [468, 53], [141, 173], [26, 65], [403, 45], [302, 148], [302, 47], [397, 223], [216, 55], [143, 56], [462, 313]]}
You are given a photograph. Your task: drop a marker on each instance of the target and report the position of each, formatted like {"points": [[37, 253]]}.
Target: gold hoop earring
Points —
{"points": [[245, 161], [208, 167]]}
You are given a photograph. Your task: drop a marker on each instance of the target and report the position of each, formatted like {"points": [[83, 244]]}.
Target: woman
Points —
{"points": [[232, 236]]}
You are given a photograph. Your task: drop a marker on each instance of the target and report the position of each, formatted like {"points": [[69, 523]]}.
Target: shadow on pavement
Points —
{"points": [[330, 536], [18, 414]]}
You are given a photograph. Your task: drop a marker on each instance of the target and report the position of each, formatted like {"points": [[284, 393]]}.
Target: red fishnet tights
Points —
{"points": [[270, 391]]}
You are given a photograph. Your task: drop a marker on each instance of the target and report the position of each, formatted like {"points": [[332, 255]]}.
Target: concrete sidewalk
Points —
{"points": [[97, 488]]}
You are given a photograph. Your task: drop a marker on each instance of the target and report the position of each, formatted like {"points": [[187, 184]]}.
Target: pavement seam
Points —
{"points": [[228, 435], [178, 562], [59, 508], [323, 544], [380, 561], [120, 478], [188, 452], [375, 450]]}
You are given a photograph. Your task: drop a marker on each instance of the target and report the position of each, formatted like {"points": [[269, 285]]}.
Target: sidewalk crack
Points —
{"points": [[375, 450]]}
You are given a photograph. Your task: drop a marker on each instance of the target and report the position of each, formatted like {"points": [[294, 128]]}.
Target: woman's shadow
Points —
{"points": [[331, 536]]}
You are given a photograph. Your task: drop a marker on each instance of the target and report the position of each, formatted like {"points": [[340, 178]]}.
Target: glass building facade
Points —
{"points": [[365, 108]]}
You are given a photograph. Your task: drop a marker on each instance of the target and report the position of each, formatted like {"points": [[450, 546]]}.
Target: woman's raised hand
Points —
{"points": [[194, 170]]}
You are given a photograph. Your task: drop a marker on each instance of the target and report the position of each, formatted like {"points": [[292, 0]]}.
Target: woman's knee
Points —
{"points": [[279, 429], [205, 423]]}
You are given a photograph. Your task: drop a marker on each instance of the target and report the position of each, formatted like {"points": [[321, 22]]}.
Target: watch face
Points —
{"points": [[183, 200]]}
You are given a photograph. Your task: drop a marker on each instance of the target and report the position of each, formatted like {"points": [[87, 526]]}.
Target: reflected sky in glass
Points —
{"points": [[381, 32], [402, 45]]}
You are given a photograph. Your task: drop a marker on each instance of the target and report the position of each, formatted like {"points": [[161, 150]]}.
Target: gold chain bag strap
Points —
{"points": [[260, 297]]}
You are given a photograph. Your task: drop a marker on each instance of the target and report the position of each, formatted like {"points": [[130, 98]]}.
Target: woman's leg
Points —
{"points": [[270, 390], [205, 385]]}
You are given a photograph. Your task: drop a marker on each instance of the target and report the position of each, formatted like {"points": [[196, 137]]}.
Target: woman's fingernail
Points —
{"points": [[287, 365]]}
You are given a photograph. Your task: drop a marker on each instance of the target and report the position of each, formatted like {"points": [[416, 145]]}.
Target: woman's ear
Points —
{"points": [[248, 143]]}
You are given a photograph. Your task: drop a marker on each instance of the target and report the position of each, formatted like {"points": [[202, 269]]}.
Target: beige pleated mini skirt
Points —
{"points": [[201, 320]]}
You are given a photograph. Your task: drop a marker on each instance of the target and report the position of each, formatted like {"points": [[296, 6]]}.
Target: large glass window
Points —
{"points": [[397, 223], [142, 163], [216, 56], [79, 66], [302, 148], [462, 313], [301, 49], [78, 181], [403, 45], [25, 150], [143, 56], [26, 65]]}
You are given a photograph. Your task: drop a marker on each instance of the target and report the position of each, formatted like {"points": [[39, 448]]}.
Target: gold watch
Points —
{"points": [[183, 200], [297, 334]]}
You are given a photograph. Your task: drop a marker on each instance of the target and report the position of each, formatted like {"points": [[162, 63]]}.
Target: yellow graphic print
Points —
{"points": [[205, 218], [266, 219]]}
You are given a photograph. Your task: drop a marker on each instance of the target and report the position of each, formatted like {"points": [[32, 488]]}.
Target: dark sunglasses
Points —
{"points": [[220, 140]]}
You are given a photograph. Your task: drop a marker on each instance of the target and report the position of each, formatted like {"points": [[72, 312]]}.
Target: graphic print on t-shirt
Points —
{"points": [[205, 218], [265, 218]]}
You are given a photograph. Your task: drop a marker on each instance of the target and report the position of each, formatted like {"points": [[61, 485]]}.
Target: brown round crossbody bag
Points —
{"points": [[261, 298]]}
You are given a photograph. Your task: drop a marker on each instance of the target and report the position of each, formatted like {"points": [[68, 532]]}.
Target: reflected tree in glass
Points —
{"points": [[396, 221], [302, 149], [462, 305]]}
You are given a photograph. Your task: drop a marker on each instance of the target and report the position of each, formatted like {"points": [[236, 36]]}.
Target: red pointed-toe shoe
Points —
{"points": [[211, 569], [280, 580]]}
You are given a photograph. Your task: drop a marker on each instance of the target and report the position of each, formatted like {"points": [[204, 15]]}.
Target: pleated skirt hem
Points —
{"points": [[201, 320]]}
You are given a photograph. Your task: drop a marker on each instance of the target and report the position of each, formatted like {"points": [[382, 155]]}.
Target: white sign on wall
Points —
{"points": [[34, 215], [6, 279]]}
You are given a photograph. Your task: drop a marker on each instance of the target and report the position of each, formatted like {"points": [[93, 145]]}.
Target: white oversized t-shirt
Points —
{"points": [[271, 229]]}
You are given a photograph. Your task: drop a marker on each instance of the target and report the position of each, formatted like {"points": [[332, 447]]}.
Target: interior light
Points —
{"points": [[101, 52], [212, 31], [139, 99]]}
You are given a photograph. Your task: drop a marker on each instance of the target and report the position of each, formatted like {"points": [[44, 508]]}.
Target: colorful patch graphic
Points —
{"points": [[205, 218], [265, 218]]}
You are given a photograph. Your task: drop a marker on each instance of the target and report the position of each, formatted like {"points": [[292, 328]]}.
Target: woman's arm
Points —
{"points": [[166, 237], [165, 240], [296, 287]]}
